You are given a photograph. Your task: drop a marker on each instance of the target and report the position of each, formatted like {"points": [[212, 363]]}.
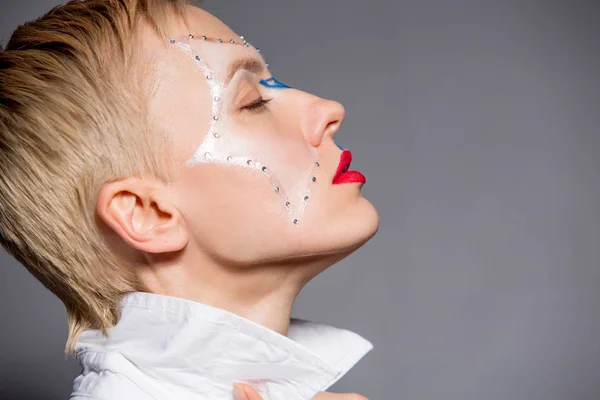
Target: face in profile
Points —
{"points": [[256, 162]]}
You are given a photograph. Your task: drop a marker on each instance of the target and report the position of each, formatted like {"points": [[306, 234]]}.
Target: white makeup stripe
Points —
{"points": [[216, 90], [305, 197], [208, 152]]}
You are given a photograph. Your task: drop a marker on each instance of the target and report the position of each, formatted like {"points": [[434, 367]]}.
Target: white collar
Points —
{"points": [[198, 348]]}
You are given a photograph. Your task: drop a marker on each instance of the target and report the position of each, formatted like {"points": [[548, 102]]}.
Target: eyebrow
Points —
{"points": [[250, 64]]}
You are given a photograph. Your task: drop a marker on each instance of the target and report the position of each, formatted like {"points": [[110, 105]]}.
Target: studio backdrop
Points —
{"points": [[477, 126]]}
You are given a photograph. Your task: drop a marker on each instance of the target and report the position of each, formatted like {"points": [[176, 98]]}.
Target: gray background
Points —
{"points": [[476, 124]]}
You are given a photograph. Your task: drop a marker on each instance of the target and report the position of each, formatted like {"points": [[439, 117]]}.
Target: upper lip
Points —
{"points": [[345, 160]]}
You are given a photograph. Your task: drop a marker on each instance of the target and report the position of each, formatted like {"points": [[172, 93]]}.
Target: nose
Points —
{"points": [[323, 119]]}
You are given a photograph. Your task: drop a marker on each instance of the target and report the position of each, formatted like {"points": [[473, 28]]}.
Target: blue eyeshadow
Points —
{"points": [[273, 83]]}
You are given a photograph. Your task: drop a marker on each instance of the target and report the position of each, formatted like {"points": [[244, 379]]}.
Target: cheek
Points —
{"points": [[229, 208], [184, 117], [279, 159]]}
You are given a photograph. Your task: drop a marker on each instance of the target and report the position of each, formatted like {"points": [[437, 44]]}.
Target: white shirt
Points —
{"points": [[167, 347]]}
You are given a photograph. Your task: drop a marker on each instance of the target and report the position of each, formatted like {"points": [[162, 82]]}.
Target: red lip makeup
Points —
{"points": [[342, 174]]}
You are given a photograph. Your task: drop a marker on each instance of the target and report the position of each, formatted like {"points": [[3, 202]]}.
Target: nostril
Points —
{"points": [[332, 127]]}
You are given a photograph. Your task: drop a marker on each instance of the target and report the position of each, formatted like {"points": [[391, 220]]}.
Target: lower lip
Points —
{"points": [[350, 177]]}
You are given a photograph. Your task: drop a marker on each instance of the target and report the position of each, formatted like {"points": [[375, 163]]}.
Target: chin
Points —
{"points": [[365, 222], [352, 229]]}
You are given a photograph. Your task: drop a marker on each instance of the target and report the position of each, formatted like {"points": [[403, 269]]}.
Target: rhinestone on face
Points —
{"points": [[247, 44], [208, 77], [242, 37], [277, 189], [232, 41], [264, 169], [258, 50], [198, 58], [229, 158], [191, 36], [217, 98], [287, 203], [305, 197], [295, 221], [317, 164], [217, 135], [172, 40], [220, 40], [204, 37], [216, 118], [206, 155], [314, 178], [249, 162]]}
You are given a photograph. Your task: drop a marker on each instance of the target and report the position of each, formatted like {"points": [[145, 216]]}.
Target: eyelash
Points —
{"points": [[257, 106]]}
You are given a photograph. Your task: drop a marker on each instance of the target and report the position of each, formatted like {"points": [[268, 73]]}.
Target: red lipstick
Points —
{"points": [[342, 175]]}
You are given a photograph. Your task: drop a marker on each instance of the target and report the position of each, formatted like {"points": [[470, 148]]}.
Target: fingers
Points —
{"points": [[245, 392], [339, 396]]}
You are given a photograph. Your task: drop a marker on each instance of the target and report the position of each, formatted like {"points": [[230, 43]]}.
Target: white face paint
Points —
{"points": [[246, 140]]}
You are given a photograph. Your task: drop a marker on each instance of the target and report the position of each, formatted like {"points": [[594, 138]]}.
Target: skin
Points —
{"points": [[246, 392], [218, 234]]}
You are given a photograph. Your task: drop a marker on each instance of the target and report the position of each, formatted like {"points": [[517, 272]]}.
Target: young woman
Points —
{"points": [[176, 197]]}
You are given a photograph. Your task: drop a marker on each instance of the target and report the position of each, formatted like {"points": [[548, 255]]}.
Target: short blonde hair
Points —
{"points": [[74, 116]]}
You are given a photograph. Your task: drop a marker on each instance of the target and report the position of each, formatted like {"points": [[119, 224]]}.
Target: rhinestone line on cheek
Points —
{"points": [[201, 154], [216, 90]]}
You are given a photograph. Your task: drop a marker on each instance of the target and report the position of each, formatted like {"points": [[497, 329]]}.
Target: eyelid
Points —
{"points": [[253, 95], [248, 85], [242, 91], [258, 105]]}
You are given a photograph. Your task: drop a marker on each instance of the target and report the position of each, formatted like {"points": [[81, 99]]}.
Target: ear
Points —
{"points": [[141, 213]]}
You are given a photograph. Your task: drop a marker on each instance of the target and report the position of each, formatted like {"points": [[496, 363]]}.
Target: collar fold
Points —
{"points": [[204, 350]]}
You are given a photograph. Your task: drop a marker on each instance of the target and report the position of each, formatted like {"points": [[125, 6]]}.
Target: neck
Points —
{"points": [[264, 294]]}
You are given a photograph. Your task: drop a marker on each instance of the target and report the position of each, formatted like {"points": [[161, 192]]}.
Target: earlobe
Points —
{"points": [[140, 212]]}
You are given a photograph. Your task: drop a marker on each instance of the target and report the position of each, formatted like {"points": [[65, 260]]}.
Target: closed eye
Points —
{"points": [[257, 105]]}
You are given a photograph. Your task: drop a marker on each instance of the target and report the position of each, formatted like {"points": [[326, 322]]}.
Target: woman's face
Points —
{"points": [[255, 158]]}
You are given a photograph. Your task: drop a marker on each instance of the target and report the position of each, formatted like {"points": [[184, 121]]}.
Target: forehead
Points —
{"points": [[217, 51], [201, 23]]}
